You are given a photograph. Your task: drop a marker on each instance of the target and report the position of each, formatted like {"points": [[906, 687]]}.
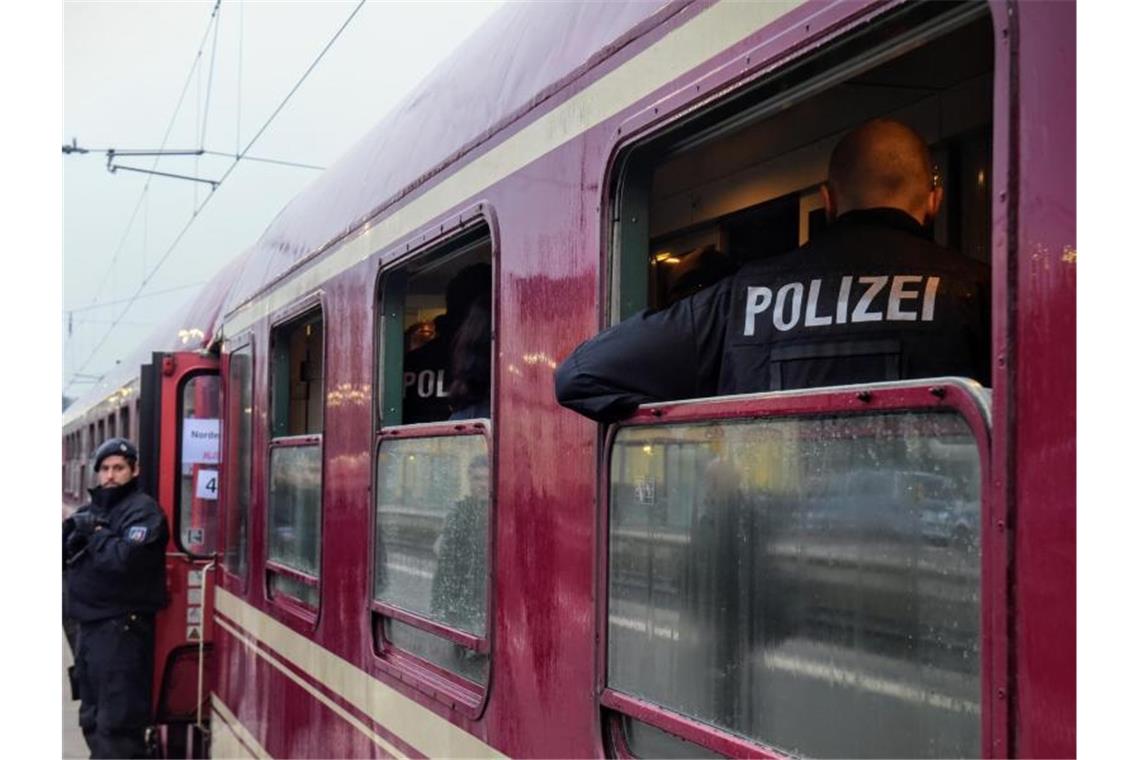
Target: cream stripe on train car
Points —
{"points": [[415, 724], [251, 644], [233, 740], [682, 50]]}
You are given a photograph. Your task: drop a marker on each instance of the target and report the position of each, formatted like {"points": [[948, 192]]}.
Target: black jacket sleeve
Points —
{"points": [[125, 553], [652, 356]]}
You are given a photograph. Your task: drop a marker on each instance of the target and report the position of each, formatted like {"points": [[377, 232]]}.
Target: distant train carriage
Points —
{"points": [[880, 570]]}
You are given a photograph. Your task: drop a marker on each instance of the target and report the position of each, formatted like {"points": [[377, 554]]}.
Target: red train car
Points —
{"points": [[881, 570]]}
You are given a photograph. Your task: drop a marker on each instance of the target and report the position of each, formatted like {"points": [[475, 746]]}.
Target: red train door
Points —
{"points": [[180, 449]]}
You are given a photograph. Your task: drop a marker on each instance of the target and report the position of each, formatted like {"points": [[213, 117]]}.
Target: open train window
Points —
{"points": [[739, 181], [296, 376], [431, 568], [239, 458], [762, 572]]}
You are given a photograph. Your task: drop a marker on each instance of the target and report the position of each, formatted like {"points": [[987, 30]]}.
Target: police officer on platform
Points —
{"points": [[873, 298], [114, 554]]}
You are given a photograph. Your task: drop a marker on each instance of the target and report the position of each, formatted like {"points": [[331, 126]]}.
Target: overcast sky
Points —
{"points": [[125, 66]]}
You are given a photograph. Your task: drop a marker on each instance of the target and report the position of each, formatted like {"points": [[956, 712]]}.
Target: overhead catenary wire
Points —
{"points": [[165, 137], [197, 211], [105, 304], [278, 161]]}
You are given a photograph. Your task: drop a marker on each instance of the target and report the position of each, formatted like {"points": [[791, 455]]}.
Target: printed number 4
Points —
{"points": [[212, 485]]}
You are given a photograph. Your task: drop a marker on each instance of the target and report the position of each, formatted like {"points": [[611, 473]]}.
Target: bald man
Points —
{"points": [[871, 299]]}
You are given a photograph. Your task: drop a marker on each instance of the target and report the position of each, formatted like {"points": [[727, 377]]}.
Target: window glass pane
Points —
{"points": [[431, 543], [198, 482], [240, 422], [283, 584], [295, 507], [811, 583], [465, 662]]}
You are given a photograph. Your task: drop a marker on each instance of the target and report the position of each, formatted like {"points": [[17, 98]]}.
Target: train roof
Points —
{"points": [[520, 57]]}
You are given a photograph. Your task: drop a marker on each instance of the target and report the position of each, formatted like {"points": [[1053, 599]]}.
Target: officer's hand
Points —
{"points": [[75, 543], [85, 523]]}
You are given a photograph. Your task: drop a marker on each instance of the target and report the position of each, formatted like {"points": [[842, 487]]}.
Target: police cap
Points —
{"points": [[116, 447]]}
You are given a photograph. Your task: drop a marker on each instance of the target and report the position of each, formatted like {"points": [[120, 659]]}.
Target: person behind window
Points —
{"points": [[470, 391], [114, 554], [872, 299], [459, 588], [426, 369]]}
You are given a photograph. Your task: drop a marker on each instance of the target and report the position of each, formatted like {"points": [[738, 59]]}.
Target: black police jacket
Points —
{"points": [[871, 299], [121, 567]]}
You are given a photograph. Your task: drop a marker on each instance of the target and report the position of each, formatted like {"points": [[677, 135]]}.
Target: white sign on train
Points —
{"points": [[200, 441], [207, 485], [193, 577]]}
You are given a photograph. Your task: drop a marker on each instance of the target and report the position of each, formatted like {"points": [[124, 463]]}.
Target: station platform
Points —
{"points": [[73, 745]]}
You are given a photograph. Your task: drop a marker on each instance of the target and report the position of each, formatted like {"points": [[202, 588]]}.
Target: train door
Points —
{"points": [[179, 442]]}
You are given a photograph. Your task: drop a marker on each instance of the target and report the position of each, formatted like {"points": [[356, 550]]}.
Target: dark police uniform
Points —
{"points": [[871, 299], [427, 375], [115, 584]]}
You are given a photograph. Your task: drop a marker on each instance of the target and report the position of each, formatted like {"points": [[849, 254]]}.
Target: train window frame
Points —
{"points": [[967, 399], [473, 227], [645, 140], [176, 512], [231, 463], [287, 606], [624, 285]]}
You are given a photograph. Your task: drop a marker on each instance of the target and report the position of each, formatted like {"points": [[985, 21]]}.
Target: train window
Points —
{"points": [[766, 570], [111, 420], [432, 509], [239, 420], [436, 353], [125, 423], [92, 444], [298, 377], [763, 572], [433, 494], [738, 181], [199, 449], [102, 432], [295, 459]]}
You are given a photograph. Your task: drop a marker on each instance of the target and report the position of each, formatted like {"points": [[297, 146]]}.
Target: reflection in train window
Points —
{"points": [[436, 356], [239, 421], [199, 441], [739, 181], [432, 510], [125, 423], [295, 459], [765, 572]]}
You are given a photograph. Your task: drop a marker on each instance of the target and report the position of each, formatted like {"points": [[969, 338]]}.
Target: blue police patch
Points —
{"points": [[136, 533]]}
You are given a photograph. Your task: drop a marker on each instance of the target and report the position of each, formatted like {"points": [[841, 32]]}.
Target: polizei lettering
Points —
{"points": [[882, 298], [427, 383]]}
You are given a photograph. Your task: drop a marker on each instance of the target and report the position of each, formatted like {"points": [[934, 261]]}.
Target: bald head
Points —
{"points": [[883, 163]]}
